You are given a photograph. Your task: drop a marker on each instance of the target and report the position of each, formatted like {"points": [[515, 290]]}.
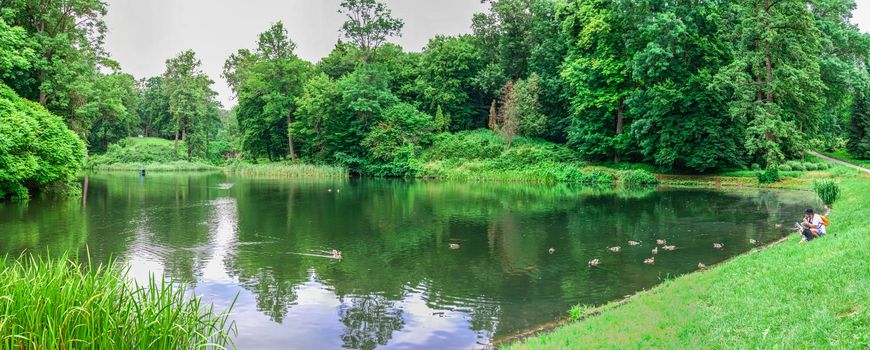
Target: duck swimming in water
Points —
{"points": [[593, 262], [336, 254], [701, 266], [655, 250], [669, 247], [633, 243], [649, 261], [660, 242], [453, 245], [614, 249], [551, 250], [718, 245], [753, 241]]}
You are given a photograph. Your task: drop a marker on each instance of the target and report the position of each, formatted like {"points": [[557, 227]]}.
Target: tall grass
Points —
{"points": [[50, 303], [827, 190], [289, 170], [636, 178], [161, 167]]}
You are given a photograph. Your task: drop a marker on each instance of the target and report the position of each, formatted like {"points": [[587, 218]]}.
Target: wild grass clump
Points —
{"points": [[179, 165], [576, 312], [827, 190], [637, 178], [62, 304], [769, 175], [283, 169]]}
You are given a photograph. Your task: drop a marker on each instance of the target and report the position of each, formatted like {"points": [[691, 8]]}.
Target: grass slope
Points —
{"points": [[154, 154], [808, 296]]}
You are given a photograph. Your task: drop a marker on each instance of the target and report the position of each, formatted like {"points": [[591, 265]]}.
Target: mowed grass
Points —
{"points": [[814, 295], [288, 170], [62, 304], [845, 156]]}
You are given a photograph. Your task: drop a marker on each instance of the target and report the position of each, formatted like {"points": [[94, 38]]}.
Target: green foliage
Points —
{"points": [[288, 170], [475, 144], [96, 305], [859, 128], [369, 23], [446, 77], [36, 149], [637, 178], [769, 175], [398, 136], [137, 150], [827, 190], [576, 312]]}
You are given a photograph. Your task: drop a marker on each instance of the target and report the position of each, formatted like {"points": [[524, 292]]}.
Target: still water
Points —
{"points": [[399, 284]]}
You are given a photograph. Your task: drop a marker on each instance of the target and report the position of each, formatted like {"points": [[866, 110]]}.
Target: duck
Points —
{"points": [[660, 242], [633, 243], [669, 247], [655, 250], [649, 261], [753, 241], [701, 266], [718, 245], [453, 245], [336, 254], [778, 225], [614, 249], [328, 190], [551, 250], [593, 262]]}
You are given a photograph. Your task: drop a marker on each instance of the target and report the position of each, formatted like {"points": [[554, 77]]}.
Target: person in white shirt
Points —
{"points": [[813, 226]]}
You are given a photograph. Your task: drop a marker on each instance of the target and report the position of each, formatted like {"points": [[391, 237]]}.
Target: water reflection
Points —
{"points": [[398, 285]]}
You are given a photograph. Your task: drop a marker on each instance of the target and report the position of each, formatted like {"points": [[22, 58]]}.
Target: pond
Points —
{"points": [[399, 283]]}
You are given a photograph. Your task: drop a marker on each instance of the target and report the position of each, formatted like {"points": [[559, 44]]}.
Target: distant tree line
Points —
{"points": [[693, 85]]}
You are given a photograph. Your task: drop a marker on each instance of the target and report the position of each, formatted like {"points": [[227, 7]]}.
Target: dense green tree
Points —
{"points": [[678, 120], [112, 108], [16, 52], [446, 78], [269, 81], [369, 24], [153, 109], [859, 129], [597, 77], [398, 137], [191, 101], [773, 82], [320, 119], [36, 148]]}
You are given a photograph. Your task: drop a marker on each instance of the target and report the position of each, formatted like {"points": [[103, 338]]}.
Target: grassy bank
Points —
{"points": [[845, 156], [792, 295], [288, 170], [61, 304], [179, 165]]}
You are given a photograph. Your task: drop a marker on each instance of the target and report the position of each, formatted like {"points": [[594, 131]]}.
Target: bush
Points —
{"points": [[770, 175], [810, 166], [755, 167], [474, 144], [799, 167], [37, 150], [827, 190], [637, 178], [139, 150], [784, 167]]}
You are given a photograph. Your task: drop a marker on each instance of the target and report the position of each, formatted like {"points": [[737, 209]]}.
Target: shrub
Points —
{"points": [[799, 167], [784, 167], [770, 175], [475, 144], [37, 150], [578, 311], [827, 190], [637, 177], [810, 166], [755, 167]]}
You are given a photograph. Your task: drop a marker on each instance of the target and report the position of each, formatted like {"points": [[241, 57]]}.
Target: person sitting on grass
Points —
{"points": [[812, 226]]}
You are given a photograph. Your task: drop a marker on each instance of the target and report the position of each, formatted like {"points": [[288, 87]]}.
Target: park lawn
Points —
{"points": [[845, 156], [810, 296]]}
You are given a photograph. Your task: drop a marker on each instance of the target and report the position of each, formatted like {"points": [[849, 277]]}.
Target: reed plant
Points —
{"points": [[60, 303], [827, 190]]}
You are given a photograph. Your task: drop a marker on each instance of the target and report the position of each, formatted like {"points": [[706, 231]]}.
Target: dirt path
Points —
{"points": [[835, 160]]}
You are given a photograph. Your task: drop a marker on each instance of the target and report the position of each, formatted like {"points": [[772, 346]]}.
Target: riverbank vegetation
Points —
{"points": [[790, 295], [59, 303]]}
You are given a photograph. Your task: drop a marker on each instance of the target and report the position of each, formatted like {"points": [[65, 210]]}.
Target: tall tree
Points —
{"points": [[191, 100], [773, 83], [597, 77], [369, 24]]}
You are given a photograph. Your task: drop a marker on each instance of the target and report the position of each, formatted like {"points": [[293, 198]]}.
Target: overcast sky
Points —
{"points": [[144, 33]]}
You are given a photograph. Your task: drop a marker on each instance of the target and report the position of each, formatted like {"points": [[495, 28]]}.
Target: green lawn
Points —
{"points": [[791, 296], [845, 156]]}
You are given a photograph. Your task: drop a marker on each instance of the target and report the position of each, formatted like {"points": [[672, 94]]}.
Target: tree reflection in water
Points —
{"points": [[369, 321]]}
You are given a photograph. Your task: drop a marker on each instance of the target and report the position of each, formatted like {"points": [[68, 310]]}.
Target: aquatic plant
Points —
{"points": [[578, 311], [827, 190], [59, 303], [289, 170]]}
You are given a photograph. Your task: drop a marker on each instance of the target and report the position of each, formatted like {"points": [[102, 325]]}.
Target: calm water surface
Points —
{"points": [[398, 285]]}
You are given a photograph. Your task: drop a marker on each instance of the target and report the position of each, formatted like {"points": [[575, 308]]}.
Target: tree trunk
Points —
{"points": [[85, 192], [176, 136], [493, 116], [184, 138], [619, 121], [290, 141], [767, 63], [759, 94]]}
